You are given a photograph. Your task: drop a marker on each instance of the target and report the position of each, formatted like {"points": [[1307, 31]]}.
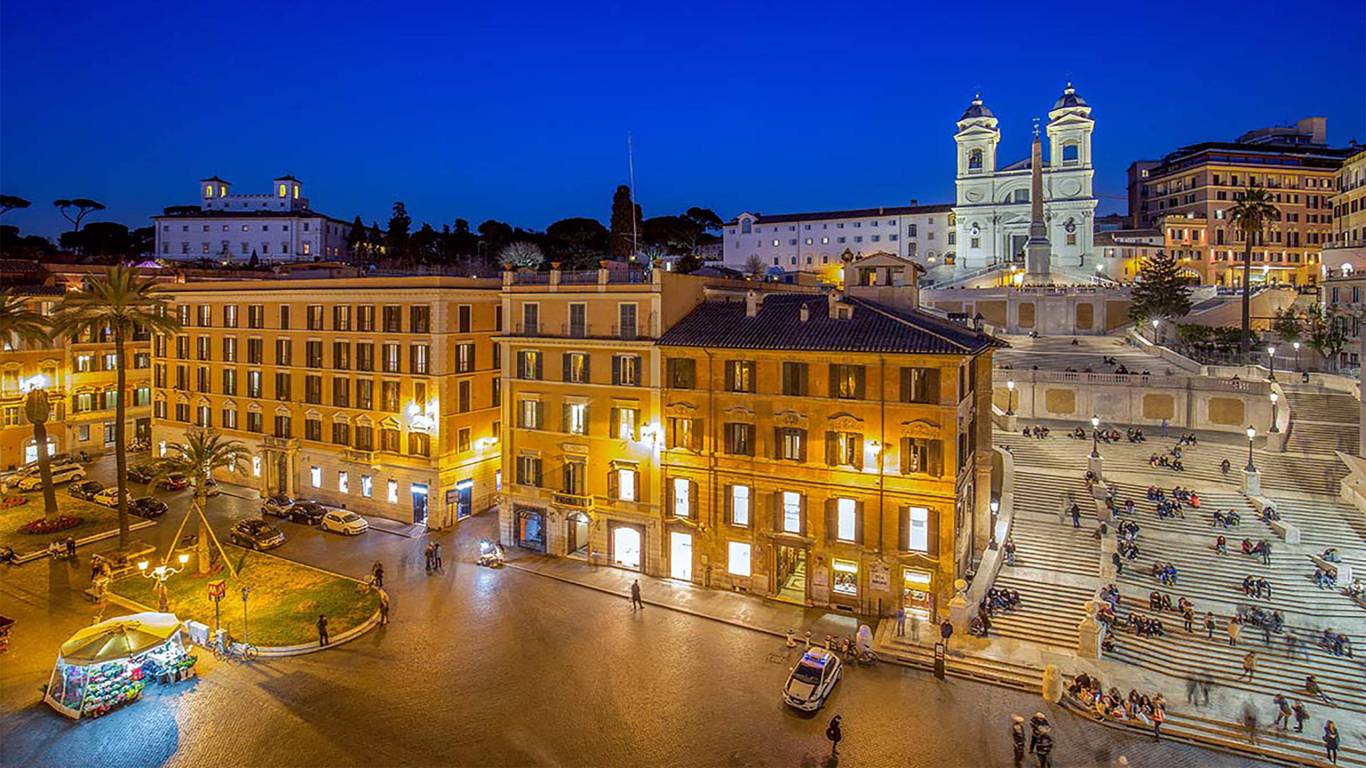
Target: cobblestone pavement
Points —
{"points": [[484, 667]]}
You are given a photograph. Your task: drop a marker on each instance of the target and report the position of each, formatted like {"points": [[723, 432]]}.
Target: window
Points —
{"points": [[419, 358], [682, 493], [919, 385], [462, 439], [791, 519], [341, 433], [626, 370], [624, 423], [393, 319], [739, 439], [462, 397], [365, 356], [365, 317], [343, 482], [791, 443], [917, 529], [389, 396], [255, 351], [576, 367], [794, 379], [739, 505], [844, 449], [365, 438], [341, 392], [846, 381], [625, 479], [739, 376], [626, 321], [341, 317], [974, 164], [391, 358], [341, 355], [314, 317], [284, 317], [462, 314], [254, 421], [229, 349], [576, 418], [464, 358], [419, 444], [531, 319], [313, 389], [578, 320], [315, 476], [845, 577], [682, 372], [529, 365], [684, 433], [283, 390], [313, 353], [529, 470], [419, 318], [313, 429], [393, 491], [846, 519], [367, 486], [1071, 154], [229, 418], [253, 383], [283, 427], [529, 415], [921, 455], [738, 558]]}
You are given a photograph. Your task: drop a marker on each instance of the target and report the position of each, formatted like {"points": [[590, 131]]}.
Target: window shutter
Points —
{"points": [[565, 360], [727, 505], [521, 365], [564, 417], [694, 501], [540, 361], [831, 519], [616, 369], [858, 522], [777, 442], [613, 483], [932, 536], [635, 431], [858, 453], [615, 427], [776, 510], [903, 529], [696, 434], [936, 458], [831, 449], [801, 379], [587, 368], [801, 438], [832, 380], [540, 482], [859, 382], [905, 393], [804, 527]]}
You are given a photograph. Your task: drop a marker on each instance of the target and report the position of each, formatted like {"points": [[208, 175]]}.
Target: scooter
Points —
{"points": [[490, 554]]}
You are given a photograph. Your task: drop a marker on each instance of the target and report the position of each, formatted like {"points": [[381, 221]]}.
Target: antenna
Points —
{"points": [[631, 179]]}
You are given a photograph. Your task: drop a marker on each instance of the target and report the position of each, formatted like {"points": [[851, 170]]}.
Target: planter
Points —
{"points": [[56, 524]]}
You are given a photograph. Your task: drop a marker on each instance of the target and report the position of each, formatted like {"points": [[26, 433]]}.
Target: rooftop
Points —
{"points": [[854, 213], [778, 325]]}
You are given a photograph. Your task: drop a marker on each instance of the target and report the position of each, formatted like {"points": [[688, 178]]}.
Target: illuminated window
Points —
{"points": [[918, 529], [682, 497], [255, 466], [343, 482], [626, 483], [738, 558], [846, 577], [393, 491], [792, 512], [315, 476], [846, 519], [282, 190], [367, 486], [576, 418], [739, 505]]}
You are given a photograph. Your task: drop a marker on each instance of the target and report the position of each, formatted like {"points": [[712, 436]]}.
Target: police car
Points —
{"points": [[812, 679]]}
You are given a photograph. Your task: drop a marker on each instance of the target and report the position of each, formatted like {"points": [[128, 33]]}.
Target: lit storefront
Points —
{"points": [[531, 529], [917, 593]]}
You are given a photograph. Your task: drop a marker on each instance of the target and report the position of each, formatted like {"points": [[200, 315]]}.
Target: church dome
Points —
{"points": [[976, 109], [1069, 98]]}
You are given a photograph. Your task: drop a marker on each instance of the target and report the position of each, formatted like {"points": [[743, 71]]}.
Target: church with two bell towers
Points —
{"points": [[993, 203]]}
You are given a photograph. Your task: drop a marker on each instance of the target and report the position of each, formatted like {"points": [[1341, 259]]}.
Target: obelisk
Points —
{"points": [[1038, 251]]}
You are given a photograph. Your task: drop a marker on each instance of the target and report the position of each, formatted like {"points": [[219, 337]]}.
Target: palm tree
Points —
{"points": [[1253, 211], [121, 304], [20, 325], [203, 452]]}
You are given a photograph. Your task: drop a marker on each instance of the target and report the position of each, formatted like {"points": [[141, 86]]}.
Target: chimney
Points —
{"points": [[805, 312], [752, 304], [832, 302]]}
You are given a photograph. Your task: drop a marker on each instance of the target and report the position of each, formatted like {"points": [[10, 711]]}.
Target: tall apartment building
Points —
{"points": [[1203, 181], [1344, 262], [826, 450], [80, 375], [275, 227], [379, 394]]}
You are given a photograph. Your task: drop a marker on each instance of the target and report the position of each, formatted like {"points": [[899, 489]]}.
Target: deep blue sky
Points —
{"points": [[519, 110]]}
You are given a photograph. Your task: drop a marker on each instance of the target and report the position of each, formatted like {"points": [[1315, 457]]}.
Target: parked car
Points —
{"points": [[147, 506], [65, 473], [812, 679], [344, 522], [109, 497], [85, 490], [277, 506], [256, 534], [141, 473], [175, 481], [306, 511]]}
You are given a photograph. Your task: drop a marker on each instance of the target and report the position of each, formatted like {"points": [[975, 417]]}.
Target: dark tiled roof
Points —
{"points": [[778, 325], [856, 213]]}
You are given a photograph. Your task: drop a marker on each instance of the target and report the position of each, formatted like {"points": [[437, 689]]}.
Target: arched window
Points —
{"points": [[745, 226], [1021, 196], [1071, 153], [975, 160]]}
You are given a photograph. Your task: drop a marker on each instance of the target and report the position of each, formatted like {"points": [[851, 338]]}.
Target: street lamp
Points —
{"points": [[246, 590], [1095, 437], [995, 508], [1274, 398], [1156, 323], [1010, 397], [1271, 363], [1251, 433], [1296, 345], [160, 574]]}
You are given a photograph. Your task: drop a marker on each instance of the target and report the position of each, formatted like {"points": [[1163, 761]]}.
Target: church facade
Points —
{"points": [[992, 207]]}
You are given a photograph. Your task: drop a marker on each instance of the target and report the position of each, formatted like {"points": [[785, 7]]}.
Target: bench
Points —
{"points": [[1341, 571]]}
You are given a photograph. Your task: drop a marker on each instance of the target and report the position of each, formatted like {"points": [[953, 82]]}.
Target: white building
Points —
{"points": [[992, 206], [814, 242], [273, 227]]}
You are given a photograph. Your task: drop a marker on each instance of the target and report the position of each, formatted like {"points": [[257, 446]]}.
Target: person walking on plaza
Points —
{"points": [[1249, 665], [322, 630], [1209, 624], [1043, 747], [1076, 516], [835, 734], [1301, 715], [636, 602], [1188, 618], [377, 571], [1164, 427], [427, 556], [436, 556], [901, 622], [383, 607], [1330, 741], [1282, 712], [1118, 563], [1017, 738], [1266, 557]]}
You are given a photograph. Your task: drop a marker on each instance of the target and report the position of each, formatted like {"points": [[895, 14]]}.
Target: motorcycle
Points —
{"points": [[490, 554]]}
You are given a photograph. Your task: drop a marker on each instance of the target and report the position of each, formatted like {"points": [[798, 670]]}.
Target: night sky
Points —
{"points": [[519, 110]]}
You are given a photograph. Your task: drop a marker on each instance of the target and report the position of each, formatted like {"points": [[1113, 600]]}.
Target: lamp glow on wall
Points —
{"points": [[420, 419]]}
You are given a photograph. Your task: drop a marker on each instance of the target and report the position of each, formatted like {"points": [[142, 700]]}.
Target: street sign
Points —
{"points": [[217, 590]]}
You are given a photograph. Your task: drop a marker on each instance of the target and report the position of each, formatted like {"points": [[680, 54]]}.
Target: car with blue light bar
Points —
{"points": [[812, 680]]}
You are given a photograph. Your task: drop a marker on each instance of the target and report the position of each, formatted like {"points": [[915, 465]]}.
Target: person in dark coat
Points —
{"points": [[322, 630], [1036, 723], [1017, 738], [378, 571], [1301, 715], [835, 734], [1043, 747], [1331, 739], [636, 602]]}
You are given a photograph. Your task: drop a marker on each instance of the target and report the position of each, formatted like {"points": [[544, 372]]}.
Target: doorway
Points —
{"points": [[419, 503], [531, 529], [790, 569], [626, 547], [917, 593], [577, 535], [680, 555], [1017, 247], [464, 499]]}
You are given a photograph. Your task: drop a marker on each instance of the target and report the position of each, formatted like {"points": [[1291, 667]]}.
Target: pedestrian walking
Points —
{"points": [[901, 622], [1249, 665], [636, 602], [1301, 715], [1118, 563], [945, 632], [377, 570], [71, 547], [427, 556], [1017, 738], [1043, 748], [322, 630], [1330, 741], [835, 734], [1233, 629], [1283, 712], [1164, 427], [1036, 724], [915, 626], [1266, 558], [383, 607], [1076, 516], [1188, 618], [1209, 624], [436, 556]]}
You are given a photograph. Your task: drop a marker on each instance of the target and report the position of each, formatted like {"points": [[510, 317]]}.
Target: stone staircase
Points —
{"points": [[1048, 613], [1323, 421]]}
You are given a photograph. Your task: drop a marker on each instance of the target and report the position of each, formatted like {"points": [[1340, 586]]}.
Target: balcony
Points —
{"points": [[572, 501]]}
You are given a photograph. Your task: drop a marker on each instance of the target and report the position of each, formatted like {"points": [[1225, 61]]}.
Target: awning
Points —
{"points": [[119, 638]]}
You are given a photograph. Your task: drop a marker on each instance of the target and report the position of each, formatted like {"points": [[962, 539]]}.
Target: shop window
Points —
{"points": [[343, 482], [738, 558], [367, 486], [845, 577], [315, 476], [393, 491]]}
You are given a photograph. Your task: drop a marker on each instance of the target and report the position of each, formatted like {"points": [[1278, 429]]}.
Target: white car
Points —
{"points": [[65, 473], [344, 522], [812, 679], [109, 497]]}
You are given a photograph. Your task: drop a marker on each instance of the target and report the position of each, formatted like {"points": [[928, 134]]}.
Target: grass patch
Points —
{"points": [[94, 519], [283, 608]]}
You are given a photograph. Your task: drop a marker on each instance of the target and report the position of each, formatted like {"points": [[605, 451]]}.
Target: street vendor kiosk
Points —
{"points": [[108, 664]]}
